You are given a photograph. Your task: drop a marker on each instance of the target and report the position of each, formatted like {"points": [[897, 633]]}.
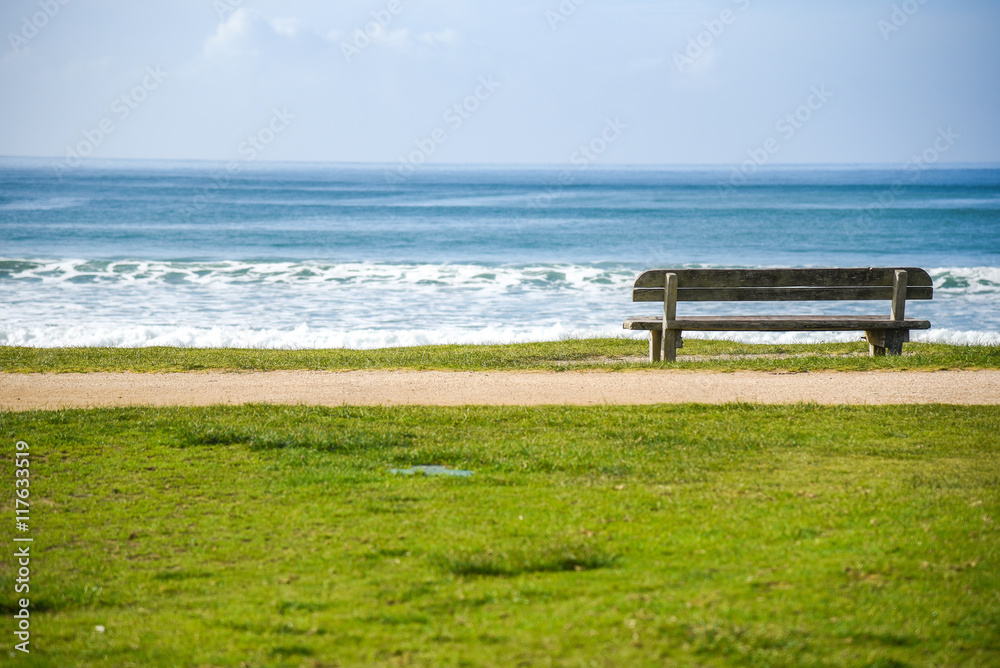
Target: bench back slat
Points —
{"points": [[779, 294], [784, 278], [753, 285]]}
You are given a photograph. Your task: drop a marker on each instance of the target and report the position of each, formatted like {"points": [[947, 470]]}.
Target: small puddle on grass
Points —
{"points": [[432, 470]]}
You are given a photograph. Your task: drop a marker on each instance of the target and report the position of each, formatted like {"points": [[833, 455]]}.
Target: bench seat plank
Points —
{"points": [[777, 323]]}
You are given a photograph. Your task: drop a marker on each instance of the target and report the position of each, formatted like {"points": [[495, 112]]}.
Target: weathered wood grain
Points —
{"points": [[669, 336], [740, 294], [899, 294], [783, 278], [885, 335], [778, 323]]}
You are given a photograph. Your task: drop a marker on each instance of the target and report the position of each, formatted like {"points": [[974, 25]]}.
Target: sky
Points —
{"points": [[502, 81]]}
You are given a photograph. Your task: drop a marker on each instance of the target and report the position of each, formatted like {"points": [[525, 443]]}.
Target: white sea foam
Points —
{"points": [[305, 337], [132, 303], [966, 280], [560, 276], [565, 276], [301, 337]]}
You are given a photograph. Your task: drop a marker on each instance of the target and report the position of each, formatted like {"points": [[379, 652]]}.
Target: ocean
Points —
{"points": [[321, 256]]}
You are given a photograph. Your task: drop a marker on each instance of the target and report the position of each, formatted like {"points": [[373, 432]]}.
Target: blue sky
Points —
{"points": [[682, 82]]}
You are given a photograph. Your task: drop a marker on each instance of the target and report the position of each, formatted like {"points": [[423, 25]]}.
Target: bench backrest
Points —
{"points": [[713, 285]]}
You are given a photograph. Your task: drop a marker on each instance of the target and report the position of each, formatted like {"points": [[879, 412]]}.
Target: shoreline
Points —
{"points": [[48, 391]]}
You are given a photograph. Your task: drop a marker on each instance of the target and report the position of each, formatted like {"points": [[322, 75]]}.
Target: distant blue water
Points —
{"points": [[135, 254]]}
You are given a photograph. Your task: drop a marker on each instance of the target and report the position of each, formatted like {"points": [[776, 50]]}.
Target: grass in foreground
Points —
{"points": [[607, 536], [608, 354]]}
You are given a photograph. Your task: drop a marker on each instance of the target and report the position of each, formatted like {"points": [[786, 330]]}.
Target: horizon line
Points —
{"points": [[95, 162]]}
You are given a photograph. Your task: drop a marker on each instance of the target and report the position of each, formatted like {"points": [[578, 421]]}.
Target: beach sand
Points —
{"points": [[441, 388]]}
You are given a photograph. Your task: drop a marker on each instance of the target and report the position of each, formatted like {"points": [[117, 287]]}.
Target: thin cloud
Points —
{"points": [[248, 32], [447, 37]]}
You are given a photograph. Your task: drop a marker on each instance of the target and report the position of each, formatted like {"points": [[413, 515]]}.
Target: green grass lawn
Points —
{"points": [[611, 354], [606, 536]]}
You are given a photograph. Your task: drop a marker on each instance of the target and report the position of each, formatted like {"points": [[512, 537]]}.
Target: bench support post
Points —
{"points": [[876, 343], [883, 342], [655, 337], [890, 341], [894, 341], [899, 295], [671, 342], [670, 337]]}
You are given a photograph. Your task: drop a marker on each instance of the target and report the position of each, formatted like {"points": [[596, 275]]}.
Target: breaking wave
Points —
{"points": [[364, 305], [954, 280]]}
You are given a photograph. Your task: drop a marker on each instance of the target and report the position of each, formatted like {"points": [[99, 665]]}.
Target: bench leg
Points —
{"points": [[876, 343], [671, 342], [886, 341], [894, 342], [655, 337]]}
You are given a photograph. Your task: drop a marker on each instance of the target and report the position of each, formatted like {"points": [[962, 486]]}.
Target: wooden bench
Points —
{"points": [[885, 334]]}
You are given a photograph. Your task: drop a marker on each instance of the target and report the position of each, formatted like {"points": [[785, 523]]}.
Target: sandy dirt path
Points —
{"points": [[33, 391]]}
